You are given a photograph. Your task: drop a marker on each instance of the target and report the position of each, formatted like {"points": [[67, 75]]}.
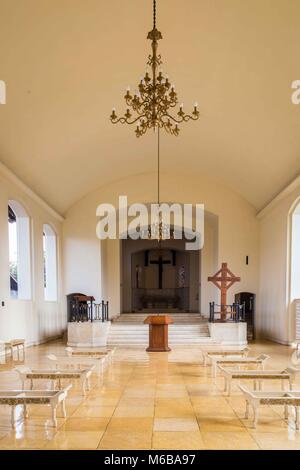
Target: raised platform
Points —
{"points": [[88, 334], [231, 334], [188, 328]]}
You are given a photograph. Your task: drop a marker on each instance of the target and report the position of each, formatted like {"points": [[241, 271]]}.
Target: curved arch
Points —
{"points": [[49, 230], [18, 208]]}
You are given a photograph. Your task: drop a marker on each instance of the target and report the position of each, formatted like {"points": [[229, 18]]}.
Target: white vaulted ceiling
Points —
{"points": [[67, 62]]}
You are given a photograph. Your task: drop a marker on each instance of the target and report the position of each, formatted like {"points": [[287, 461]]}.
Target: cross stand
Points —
{"points": [[223, 280]]}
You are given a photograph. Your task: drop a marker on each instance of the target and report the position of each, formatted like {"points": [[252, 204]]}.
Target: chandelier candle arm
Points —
{"points": [[155, 97]]}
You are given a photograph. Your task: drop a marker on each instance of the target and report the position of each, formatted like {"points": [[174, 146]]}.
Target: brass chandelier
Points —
{"points": [[151, 105]]}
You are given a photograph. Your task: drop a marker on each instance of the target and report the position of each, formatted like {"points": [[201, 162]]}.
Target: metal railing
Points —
{"points": [[88, 311], [234, 313]]}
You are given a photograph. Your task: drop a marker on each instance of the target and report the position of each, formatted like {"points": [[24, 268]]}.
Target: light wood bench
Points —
{"points": [[78, 362], [14, 344], [222, 352], [258, 376], [257, 398], [56, 376], [35, 397], [107, 353], [259, 361]]}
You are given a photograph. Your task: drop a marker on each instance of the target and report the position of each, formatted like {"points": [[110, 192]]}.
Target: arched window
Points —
{"points": [[19, 251], [295, 252], [50, 263]]}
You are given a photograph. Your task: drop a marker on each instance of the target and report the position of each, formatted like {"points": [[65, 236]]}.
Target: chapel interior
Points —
{"points": [[128, 343]]}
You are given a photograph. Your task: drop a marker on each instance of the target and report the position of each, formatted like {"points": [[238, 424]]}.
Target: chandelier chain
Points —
{"points": [[154, 14]]}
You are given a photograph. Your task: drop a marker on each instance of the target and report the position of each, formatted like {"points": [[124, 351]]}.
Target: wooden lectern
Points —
{"points": [[158, 332]]}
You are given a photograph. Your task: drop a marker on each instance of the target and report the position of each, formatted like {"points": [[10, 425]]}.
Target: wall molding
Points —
{"points": [[280, 196], [27, 190]]}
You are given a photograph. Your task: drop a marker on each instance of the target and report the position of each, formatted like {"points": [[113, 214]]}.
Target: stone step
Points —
{"points": [[188, 328]]}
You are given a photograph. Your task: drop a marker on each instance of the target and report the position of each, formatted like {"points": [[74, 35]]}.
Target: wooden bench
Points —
{"points": [[14, 344], [257, 398], [209, 353], [258, 376], [259, 361], [78, 362], [35, 397], [107, 353], [56, 376]]}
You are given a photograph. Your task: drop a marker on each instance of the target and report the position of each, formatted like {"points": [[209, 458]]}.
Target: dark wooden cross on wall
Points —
{"points": [[223, 280], [160, 262]]}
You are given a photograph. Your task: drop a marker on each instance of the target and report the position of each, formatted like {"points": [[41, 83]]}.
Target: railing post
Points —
{"points": [[211, 311], [102, 311], [92, 311], [107, 315]]}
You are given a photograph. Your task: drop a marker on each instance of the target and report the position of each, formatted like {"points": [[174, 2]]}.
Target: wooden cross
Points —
{"points": [[160, 262], [223, 280]]}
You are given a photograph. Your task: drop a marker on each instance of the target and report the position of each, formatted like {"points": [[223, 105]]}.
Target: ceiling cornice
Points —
{"points": [[35, 197], [284, 193]]}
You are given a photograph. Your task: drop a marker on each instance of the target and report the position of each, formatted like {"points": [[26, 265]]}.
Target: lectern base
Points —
{"points": [[158, 350]]}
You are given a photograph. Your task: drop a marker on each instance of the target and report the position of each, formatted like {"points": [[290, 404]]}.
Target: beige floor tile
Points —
{"points": [[289, 440], [175, 424], [131, 401], [220, 424], [86, 411], [130, 424], [171, 394], [177, 440], [122, 440], [21, 438], [75, 440], [228, 441], [85, 424], [134, 411]]}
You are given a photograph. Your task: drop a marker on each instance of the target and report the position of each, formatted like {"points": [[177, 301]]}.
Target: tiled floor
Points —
{"points": [[150, 401]]}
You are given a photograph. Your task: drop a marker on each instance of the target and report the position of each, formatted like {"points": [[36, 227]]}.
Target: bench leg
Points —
{"points": [[54, 419], [247, 410], [260, 385], [282, 385], [12, 417], [31, 384], [297, 417], [63, 409], [255, 419], [254, 385], [286, 412]]}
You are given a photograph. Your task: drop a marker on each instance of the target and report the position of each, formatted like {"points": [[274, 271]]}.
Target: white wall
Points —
{"points": [[275, 314], [34, 319], [236, 219]]}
